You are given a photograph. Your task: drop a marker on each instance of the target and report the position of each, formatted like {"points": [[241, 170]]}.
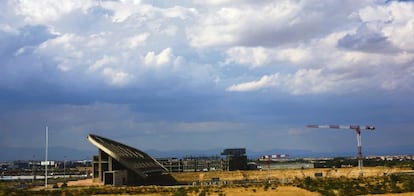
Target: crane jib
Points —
{"points": [[355, 127]]}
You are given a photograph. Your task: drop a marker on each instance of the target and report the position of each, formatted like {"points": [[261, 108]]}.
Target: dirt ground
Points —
{"points": [[86, 182]]}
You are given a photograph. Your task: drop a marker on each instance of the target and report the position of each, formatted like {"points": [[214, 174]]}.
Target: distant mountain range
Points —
{"points": [[60, 153]]}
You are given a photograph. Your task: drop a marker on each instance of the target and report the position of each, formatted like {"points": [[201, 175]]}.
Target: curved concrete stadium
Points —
{"points": [[119, 164]]}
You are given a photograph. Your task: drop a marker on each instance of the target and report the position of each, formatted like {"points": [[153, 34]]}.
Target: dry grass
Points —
{"points": [[93, 188], [396, 194], [251, 190], [281, 174], [282, 190]]}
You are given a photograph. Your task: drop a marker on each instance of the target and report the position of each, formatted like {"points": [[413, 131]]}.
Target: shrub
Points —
{"points": [[408, 184], [203, 193], [266, 187], [180, 192]]}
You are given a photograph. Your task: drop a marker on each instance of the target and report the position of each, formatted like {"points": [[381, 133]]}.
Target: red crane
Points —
{"points": [[357, 129]]}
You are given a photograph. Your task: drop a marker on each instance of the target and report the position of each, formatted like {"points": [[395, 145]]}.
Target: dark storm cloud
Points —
{"points": [[20, 68], [26, 37], [368, 41]]}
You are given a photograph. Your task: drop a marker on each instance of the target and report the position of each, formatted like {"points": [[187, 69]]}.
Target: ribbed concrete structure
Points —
{"points": [[119, 164]]}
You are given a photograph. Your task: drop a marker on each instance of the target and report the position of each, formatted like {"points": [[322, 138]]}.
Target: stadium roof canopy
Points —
{"points": [[131, 158]]}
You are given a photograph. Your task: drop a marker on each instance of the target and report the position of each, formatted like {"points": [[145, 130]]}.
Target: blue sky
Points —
{"points": [[176, 75]]}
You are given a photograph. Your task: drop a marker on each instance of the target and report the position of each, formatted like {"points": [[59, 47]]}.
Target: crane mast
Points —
{"points": [[357, 129]]}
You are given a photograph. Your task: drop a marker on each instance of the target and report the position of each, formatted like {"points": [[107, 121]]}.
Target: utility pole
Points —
{"points": [[46, 163]]}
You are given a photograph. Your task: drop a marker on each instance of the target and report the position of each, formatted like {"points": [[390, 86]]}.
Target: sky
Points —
{"points": [[195, 74]]}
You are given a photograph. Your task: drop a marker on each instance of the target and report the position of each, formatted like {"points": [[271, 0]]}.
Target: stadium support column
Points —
{"points": [[100, 172]]}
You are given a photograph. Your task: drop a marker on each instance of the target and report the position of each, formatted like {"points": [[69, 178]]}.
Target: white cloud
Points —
{"points": [[96, 41], [268, 23], [306, 81], [253, 57], [44, 11], [64, 50], [293, 40], [117, 78], [263, 82], [156, 60], [178, 12], [65, 41], [216, 2], [296, 56], [402, 37], [286, 47], [394, 20], [134, 41], [139, 11], [219, 28], [323, 67], [170, 30], [102, 62], [126, 8], [8, 29]]}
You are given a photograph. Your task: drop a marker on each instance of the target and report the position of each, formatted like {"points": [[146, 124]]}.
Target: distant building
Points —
{"points": [[194, 164], [119, 164], [285, 165], [236, 158]]}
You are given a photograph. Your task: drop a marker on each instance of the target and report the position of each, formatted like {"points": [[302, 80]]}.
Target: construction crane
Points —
{"points": [[357, 129]]}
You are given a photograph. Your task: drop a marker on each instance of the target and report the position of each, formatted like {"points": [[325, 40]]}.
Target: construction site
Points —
{"points": [[119, 164], [231, 172]]}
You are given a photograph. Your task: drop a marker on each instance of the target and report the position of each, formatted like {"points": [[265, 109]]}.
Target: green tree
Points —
{"points": [[408, 184]]}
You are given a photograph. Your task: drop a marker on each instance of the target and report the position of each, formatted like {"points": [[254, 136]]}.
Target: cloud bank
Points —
{"points": [[190, 70]]}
